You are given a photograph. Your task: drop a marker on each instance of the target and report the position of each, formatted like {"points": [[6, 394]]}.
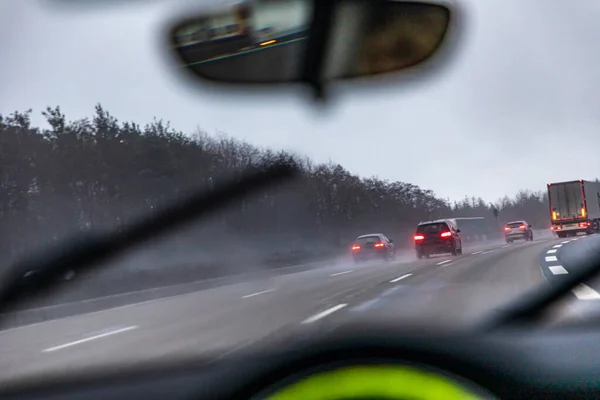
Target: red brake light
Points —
{"points": [[419, 237], [379, 245], [506, 228], [355, 247], [522, 226], [446, 234]]}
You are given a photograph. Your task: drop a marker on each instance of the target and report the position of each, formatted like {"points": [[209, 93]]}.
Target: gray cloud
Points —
{"points": [[516, 110]]}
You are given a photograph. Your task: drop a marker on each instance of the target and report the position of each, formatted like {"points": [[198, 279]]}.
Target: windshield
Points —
{"points": [[368, 240], [432, 228], [99, 127]]}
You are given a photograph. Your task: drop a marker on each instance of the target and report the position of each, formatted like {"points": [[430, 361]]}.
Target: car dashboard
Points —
{"points": [[359, 364]]}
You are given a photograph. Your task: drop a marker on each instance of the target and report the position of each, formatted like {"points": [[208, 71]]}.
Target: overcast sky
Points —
{"points": [[517, 109]]}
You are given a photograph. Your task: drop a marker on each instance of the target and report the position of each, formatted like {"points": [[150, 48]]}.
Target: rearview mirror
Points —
{"points": [[309, 41], [457, 230]]}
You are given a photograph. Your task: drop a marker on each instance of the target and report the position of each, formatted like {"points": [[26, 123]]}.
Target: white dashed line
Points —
{"points": [[551, 258], [557, 246], [89, 339], [477, 252], [443, 262], [552, 251], [584, 292], [323, 314], [489, 251], [257, 293], [342, 273], [507, 245], [400, 278], [558, 270], [565, 242]]}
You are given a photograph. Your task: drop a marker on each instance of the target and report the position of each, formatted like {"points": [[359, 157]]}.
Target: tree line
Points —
{"points": [[101, 173]]}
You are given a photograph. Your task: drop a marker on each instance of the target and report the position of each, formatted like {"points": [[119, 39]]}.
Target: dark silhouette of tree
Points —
{"points": [[100, 173]]}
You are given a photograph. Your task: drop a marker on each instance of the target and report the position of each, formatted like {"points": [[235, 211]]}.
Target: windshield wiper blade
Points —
{"points": [[81, 254], [529, 309]]}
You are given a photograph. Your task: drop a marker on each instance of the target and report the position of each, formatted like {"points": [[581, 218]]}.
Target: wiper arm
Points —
{"points": [[84, 254], [530, 308]]}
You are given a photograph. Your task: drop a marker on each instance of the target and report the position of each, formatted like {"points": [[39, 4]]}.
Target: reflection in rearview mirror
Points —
{"points": [[264, 41], [254, 41], [396, 35]]}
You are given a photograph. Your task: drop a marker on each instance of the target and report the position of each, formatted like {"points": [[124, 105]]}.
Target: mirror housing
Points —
{"points": [[391, 240], [457, 230], [310, 42]]}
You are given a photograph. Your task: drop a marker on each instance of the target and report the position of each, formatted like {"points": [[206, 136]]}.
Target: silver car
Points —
{"points": [[518, 230]]}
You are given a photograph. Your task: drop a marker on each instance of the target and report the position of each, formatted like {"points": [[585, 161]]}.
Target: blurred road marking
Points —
{"points": [[552, 251], [558, 270], [584, 292], [443, 262], [506, 245], [566, 241], [323, 314], [557, 246], [489, 251], [551, 258], [400, 278], [342, 273], [257, 293], [89, 339], [477, 252]]}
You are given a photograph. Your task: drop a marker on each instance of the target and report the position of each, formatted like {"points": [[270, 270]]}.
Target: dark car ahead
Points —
{"points": [[518, 230], [437, 237], [373, 246]]}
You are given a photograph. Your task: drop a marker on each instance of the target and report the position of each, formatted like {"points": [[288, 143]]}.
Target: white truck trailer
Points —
{"points": [[574, 207]]}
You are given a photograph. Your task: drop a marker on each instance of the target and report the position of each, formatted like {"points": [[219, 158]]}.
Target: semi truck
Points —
{"points": [[574, 207]]}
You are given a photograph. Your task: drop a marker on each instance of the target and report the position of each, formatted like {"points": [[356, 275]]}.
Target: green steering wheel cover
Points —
{"points": [[386, 382]]}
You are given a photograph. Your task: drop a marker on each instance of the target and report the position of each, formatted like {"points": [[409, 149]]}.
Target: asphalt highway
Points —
{"points": [[443, 292]]}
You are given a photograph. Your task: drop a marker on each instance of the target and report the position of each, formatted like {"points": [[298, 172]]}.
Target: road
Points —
{"points": [[443, 292], [273, 63]]}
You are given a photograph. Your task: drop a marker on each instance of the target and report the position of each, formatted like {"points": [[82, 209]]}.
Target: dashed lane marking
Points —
{"points": [[558, 270], [323, 314], [342, 273], [257, 293], [400, 278], [88, 339], [584, 292]]}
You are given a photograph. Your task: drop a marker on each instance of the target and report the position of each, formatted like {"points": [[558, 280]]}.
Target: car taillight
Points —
{"points": [[506, 228], [446, 234], [584, 224], [379, 245], [355, 248], [419, 237], [522, 227]]}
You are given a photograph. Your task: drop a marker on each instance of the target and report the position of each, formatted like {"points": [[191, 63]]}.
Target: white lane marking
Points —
{"points": [[557, 246], [477, 252], [505, 246], [400, 278], [584, 292], [342, 273], [257, 293], [552, 251], [575, 239], [89, 339], [489, 251], [551, 258], [323, 314], [565, 242], [443, 262], [558, 270]]}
